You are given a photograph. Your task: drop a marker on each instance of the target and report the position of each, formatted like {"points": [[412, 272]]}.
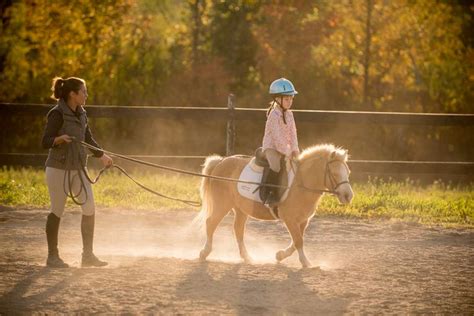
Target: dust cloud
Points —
{"points": [[359, 267]]}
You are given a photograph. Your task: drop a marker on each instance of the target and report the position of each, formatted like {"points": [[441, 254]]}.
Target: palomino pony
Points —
{"points": [[319, 168]]}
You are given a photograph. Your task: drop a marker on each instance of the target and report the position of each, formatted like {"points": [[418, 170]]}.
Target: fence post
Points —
{"points": [[230, 125]]}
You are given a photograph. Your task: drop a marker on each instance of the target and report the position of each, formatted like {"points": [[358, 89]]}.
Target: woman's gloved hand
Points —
{"points": [[62, 139], [106, 160]]}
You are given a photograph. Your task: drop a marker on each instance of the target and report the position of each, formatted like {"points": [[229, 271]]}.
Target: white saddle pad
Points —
{"points": [[253, 173]]}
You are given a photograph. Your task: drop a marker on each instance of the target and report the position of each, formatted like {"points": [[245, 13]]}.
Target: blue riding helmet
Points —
{"points": [[282, 86]]}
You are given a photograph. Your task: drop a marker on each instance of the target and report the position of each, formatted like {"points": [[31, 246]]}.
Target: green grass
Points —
{"points": [[27, 188], [438, 203]]}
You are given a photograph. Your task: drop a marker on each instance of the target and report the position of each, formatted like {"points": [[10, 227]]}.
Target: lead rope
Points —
{"points": [[85, 173], [188, 202], [146, 163], [68, 189], [192, 203]]}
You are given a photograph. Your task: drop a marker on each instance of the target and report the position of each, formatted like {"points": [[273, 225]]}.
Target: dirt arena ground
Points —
{"points": [[360, 268]]}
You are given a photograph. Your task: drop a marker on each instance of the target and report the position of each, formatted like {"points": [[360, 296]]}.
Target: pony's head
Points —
{"points": [[336, 171]]}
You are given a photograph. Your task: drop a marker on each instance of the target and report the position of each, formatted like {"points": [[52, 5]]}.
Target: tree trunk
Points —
{"points": [[197, 9], [367, 53]]}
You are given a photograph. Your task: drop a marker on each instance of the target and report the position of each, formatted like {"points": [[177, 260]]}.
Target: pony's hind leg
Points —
{"points": [[240, 220], [211, 225]]}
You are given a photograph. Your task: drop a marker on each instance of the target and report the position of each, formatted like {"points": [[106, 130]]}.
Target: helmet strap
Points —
{"points": [[280, 105]]}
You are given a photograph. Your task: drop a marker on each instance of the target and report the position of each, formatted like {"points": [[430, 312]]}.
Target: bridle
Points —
{"points": [[332, 179], [334, 184]]}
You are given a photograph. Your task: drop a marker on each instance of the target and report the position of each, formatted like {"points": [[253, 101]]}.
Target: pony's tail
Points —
{"points": [[206, 209]]}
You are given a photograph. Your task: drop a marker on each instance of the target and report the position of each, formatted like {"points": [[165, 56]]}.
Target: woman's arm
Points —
{"points": [[50, 134], [91, 141], [106, 160]]}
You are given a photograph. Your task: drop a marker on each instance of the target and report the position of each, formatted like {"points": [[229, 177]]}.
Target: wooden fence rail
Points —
{"points": [[361, 169], [463, 170], [210, 113]]}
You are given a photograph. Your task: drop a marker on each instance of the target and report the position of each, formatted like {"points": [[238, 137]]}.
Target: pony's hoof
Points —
{"points": [[248, 260], [203, 255], [280, 255], [306, 264]]}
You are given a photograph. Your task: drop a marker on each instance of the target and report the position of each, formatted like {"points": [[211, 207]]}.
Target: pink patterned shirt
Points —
{"points": [[278, 135]]}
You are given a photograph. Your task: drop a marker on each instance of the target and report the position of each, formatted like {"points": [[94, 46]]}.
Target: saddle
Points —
{"points": [[261, 160], [255, 170]]}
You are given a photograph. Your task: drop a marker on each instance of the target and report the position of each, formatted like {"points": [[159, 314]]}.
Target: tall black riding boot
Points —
{"points": [[52, 229], [87, 230], [272, 192]]}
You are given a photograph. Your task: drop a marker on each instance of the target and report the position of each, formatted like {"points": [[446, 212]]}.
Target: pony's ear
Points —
{"points": [[346, 155]]}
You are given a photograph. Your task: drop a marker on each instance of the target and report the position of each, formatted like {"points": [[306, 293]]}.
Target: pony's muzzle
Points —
{"points": [[345, 193]]}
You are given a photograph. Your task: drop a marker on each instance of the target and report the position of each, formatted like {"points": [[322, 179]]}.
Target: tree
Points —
{"points": [[115, 45], [415, 51], [233, 42]]}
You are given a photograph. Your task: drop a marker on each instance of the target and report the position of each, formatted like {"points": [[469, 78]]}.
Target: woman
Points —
{"points": [[65, 167], [280, 139]]}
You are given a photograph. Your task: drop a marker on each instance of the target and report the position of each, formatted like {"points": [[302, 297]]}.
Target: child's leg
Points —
{"points": [[274, 160]]}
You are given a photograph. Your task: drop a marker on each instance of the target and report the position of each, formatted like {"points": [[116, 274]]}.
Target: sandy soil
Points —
{"points": [[362, 267]]}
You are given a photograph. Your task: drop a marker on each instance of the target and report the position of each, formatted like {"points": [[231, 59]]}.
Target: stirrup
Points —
{"points": [[271, 200]]}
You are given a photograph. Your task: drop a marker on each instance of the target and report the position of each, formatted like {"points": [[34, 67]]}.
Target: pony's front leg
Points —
{"points": [[285, 253], [297, 236]]}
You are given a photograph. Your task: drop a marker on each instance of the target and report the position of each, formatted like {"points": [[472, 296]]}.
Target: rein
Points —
{"points": [[192, 203]]}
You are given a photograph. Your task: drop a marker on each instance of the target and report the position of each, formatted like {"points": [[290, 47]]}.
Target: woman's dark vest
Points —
{"points": [[70, 156]]}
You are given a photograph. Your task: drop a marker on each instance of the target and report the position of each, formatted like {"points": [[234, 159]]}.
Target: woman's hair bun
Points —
{"points": [[58, 83]]}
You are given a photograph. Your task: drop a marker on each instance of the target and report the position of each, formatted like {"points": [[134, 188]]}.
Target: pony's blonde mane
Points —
{"points": [[323, 151]]}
